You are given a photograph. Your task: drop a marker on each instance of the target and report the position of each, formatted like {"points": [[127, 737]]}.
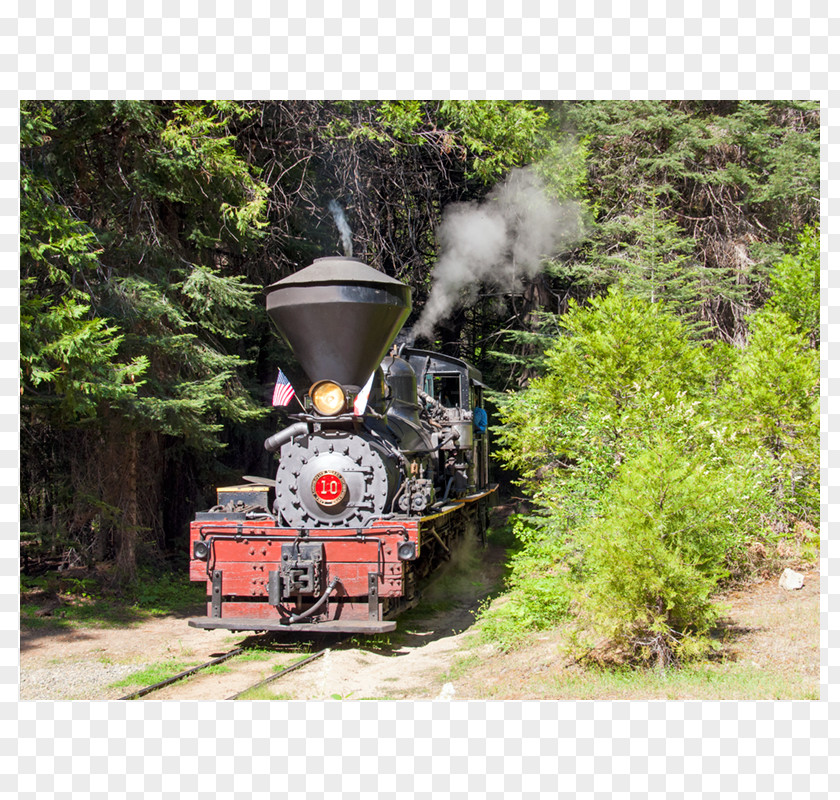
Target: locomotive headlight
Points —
{"points": [[328, 398], [407, 551]]}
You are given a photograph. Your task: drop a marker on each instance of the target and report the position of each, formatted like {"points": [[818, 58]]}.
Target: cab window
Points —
{"points": [[446, 389]]}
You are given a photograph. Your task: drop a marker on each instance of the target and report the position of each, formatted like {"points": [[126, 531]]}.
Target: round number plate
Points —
{"points": [[329, 488]]}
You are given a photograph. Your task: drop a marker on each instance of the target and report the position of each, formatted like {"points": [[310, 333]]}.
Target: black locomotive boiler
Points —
{"points": [[378, 478]]}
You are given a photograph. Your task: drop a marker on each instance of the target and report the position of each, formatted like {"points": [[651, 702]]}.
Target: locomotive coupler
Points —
{"points": [[302, 572]]}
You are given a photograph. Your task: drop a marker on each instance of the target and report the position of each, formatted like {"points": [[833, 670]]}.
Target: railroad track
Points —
{"points": [[146, 690]]}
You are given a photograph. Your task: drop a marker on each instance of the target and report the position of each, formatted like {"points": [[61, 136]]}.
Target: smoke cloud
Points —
{"points": [[343, 228], [498, 241]]}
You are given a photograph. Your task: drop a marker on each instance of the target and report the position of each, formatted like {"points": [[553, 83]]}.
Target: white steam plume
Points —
{"points": [[344, 229], [498, 241]]}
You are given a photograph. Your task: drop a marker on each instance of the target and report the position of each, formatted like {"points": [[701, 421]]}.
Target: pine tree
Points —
{"points": [[728, 184], [133, 218]]}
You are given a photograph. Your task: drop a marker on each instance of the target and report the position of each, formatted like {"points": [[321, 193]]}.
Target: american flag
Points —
{"points": [[283, 391]]}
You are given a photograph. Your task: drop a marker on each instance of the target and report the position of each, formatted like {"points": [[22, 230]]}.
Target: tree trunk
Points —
{"points": [[128, 525]]}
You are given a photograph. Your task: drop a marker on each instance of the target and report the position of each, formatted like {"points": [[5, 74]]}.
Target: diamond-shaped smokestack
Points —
{"points": [[339, 316]]}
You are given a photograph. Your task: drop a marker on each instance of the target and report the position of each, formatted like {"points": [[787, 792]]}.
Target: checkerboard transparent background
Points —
{"points": [[531, 48]]}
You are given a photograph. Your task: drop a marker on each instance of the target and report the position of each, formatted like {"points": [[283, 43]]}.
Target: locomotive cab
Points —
{"points": [[457, 387]]}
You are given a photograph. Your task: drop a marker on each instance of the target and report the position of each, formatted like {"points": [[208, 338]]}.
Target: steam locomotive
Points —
{"points": [[378, 478]]}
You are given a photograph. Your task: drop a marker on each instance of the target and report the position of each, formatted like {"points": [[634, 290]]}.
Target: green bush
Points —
{"points": [[654, 559], [661, 469], [771, 403], [622, 371], [538, 595]]}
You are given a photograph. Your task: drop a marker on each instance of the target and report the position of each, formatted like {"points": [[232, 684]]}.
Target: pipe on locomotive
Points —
{"points": [[275, 442], [317, 607]]}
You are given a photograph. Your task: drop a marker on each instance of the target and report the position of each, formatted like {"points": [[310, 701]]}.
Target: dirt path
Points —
{"points": [[412, 665], [80, 663]]}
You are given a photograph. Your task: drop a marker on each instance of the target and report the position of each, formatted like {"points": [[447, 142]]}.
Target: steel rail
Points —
{"points": [[280, 674], [224, 657], [155, 686]]}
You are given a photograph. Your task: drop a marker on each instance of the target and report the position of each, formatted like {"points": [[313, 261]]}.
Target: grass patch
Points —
{"points": [[61, 601], [540, 670], [93, 613], [216, 669], [264, 693], [460, 667], [167, 593], [729, 681], [153, 673], [254, 654], [281, 667]]}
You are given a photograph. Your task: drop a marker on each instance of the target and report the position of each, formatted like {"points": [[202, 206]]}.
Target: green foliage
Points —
{"points": [[108, 303], [488, 136], [672, 521], [161, 593], [403, 119], [563, 167], [135, 218], [496, 135], [198, 156], [690, 203], [772, 401], [621, 370], [783, 166], [654, 261], [73, 361], [795, 282], [694, 200], [655, 463], [538, 598], [68, 356]]}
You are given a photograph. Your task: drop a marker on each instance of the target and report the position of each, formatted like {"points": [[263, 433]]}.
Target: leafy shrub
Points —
{"points": [[771, 403], [622, 371], [662, 468], [539, 597], [654, 560]]}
